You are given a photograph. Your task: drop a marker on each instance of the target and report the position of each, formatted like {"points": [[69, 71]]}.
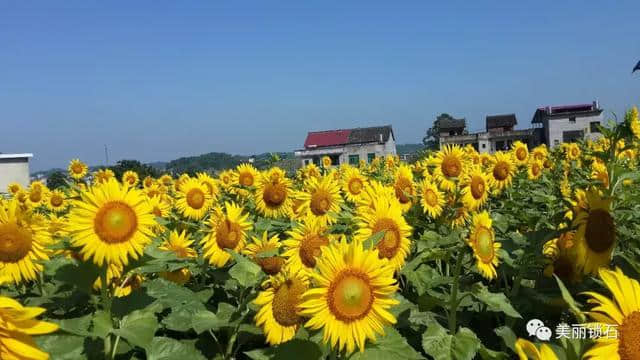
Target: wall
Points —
{"points": [[13, 170], [555, 128], [362, 150]]}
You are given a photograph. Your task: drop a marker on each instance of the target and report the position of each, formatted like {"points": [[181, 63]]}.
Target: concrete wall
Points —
{"points": [[13, 170], [362, 151], [554, 128]]}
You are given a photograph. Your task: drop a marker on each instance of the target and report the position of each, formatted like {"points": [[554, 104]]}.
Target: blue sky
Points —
{"points": [[156, 80]]}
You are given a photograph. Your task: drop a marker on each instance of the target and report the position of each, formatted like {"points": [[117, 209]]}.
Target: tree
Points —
{"points": [[143, 170], [431, 140], [57, 179]]}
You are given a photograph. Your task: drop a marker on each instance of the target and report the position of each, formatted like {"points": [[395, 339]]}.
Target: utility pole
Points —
{"points": [[106, 155]]}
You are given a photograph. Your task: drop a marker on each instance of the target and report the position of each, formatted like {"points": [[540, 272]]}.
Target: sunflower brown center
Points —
{"points": [[286, 300], [451, 166], [350, 296], [77, 168], [355, 186], [131, 180], [600, 232], [521, 154], [270, 265], [535, 169], [629, 337], [35, 196], [228, 234], [274, 194], [115, 222], [246, 179], [430, 197], [547, 164], [484, 244], [195, 198], [310, 249], [477, 187], [501, 171], [157, 211], [56, 200], [388, 246], [404, 188], [320, 202], [15, 242]]}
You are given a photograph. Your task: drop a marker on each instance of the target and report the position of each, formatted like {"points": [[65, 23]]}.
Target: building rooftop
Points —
{"points": [[559, 111], [446, 122], [339, 137], [15, 156], [496, 121]]}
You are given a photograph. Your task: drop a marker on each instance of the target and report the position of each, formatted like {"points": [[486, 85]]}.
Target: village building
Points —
{"points": [[348, 145], [499, 135], [14, 168], [568, 123]]}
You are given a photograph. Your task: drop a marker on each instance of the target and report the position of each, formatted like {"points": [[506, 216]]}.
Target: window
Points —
{"points": [[572, 119], [484, 145], [556, 142], [572, 136], [335, 160], [354, 159], [594, 126], [500, 145], [307, 161], [370, 157]]}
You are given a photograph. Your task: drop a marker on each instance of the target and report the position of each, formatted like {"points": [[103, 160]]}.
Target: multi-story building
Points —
{"points": [[14, 168], [348, 145], [499, 135], [568, 123]]}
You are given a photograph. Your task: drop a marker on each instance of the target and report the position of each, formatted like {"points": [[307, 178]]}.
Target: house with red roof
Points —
{"points": [[568, 123], [348, 145]]}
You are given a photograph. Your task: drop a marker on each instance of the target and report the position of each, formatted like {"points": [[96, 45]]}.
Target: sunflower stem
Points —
{"points": [[453, 301], [106, 305]]}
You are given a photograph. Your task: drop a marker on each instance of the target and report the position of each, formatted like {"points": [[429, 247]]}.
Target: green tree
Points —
{"points": [[143, 170], [57, 179]]}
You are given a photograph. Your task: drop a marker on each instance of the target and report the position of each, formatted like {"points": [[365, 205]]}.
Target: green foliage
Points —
{"points": [[57, 179]]}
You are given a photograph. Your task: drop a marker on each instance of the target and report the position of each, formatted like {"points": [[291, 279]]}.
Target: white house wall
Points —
{"points": [[11, 171], [557, 126]]}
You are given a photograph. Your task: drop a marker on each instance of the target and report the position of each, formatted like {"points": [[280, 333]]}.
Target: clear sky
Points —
{"points": [[156, 80]]}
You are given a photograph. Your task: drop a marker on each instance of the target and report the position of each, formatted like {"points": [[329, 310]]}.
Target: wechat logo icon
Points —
{"points": [[536, 328]]}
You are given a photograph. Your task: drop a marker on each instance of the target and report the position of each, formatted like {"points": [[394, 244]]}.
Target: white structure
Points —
{"points": [[14, 168], [568, 123], [348, 145]]}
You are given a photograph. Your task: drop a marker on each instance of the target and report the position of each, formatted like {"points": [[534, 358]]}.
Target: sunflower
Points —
{"points": [[56, 201], [386, 216], [502, 170], [596, 233], [18, 324], [256, 250], [130, 178], [460, 217], [226, 179], [103, 175], [485, 248], [476, 190], [390, 161], [279, 306], [354, 292], [22, 197], [305, 243], [228, 231], [13, 188], [210, 184], [321, 199], [599, 172], [621, 312], [573, 151], [431, 199], [22, 243], [326, 162], [77, 169], [540, 152], [520, 153], [404, 187], [534, 170], [449, 164], [36, 196], [57, 225], [634, 122], [245, 175], [372, 191], [147, 182], [193, 199], [557, 251], [311, 170], [156, 190], [528, 350], [166, 180], [353, 183], [273, 196], [111, 222], [180, 245]]}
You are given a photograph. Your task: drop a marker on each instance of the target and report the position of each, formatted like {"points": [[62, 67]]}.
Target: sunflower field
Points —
{"points": [[450, 257]]}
